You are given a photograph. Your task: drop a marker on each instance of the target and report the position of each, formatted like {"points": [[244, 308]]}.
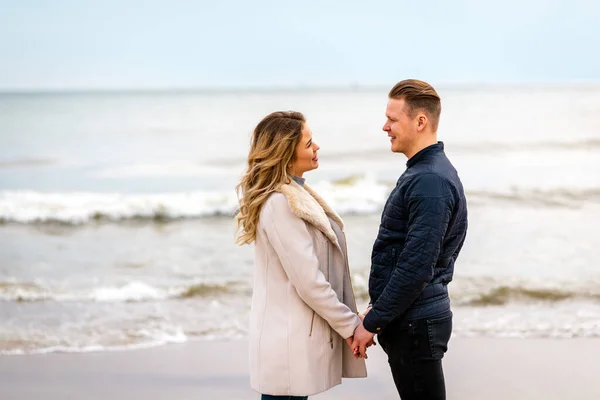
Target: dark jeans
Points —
{"points": [[269, 397], [415, 350]]}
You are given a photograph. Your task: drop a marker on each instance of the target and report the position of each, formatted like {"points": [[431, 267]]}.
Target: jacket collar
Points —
{"points": [[423, 154], [306, 204]]}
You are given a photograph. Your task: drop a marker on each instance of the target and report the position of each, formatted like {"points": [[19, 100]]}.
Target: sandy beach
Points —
{"points": [[476, 368]]}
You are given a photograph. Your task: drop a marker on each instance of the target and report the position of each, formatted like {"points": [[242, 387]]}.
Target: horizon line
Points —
{"points": [[295, 88]]}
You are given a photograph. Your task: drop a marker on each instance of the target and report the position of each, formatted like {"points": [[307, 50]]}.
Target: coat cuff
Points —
{"points": [[349, 331], [372, 322]]}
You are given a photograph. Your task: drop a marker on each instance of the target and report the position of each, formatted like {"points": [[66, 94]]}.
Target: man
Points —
{"points": [[423, 227]]}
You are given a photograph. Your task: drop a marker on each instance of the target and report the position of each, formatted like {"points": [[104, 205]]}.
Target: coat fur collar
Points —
{"points": [[306, 204]]}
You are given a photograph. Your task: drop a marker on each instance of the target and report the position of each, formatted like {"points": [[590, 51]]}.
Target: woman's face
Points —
{"points": [[306, 154]]}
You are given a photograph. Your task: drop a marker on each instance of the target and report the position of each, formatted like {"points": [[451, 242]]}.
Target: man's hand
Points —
{"points": [[362, 339]]}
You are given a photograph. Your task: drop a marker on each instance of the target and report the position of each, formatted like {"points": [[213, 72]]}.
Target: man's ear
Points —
{"points": [[422, 122]]}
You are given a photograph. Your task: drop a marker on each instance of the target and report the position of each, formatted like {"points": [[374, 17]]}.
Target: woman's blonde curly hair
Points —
{"points": [[272, 149]]}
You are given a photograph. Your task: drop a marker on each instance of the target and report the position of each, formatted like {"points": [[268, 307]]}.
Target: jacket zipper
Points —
{"points": [[348, 272], [328, 265]]}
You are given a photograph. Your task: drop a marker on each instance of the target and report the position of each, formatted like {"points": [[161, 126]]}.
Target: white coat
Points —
{"points": [[303, 305]]}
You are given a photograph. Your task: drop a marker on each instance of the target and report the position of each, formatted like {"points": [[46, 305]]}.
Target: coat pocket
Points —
{"points": [[312, 330]]}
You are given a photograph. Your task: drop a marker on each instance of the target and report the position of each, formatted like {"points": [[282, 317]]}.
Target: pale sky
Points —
{"points": [[129, 44]]}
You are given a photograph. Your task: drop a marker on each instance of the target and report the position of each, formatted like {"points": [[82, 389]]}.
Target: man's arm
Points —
{"points": [[430, 205]]}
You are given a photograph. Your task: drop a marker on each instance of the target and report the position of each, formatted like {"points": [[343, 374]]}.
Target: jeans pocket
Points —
{"points": [[439, 331]]}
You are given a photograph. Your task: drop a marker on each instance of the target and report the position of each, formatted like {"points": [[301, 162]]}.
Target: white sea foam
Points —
{"points": [[569, 319], [79, 207], [130, 292], [477, 291], [482, 306], [147, 338], [134, 291], [358, 195]]}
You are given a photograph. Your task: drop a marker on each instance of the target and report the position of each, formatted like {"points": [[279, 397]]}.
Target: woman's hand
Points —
{"points": [[350, 340], [363, 315]]}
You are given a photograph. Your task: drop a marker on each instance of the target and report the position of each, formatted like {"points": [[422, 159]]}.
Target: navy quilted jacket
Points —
{"points": [[423, 227]]}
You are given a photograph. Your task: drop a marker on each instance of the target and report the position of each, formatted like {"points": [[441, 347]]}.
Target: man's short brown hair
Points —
{"points": [[419, 95]]}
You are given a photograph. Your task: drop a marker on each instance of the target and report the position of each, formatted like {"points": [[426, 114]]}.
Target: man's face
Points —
{"points": [[400, 127]]}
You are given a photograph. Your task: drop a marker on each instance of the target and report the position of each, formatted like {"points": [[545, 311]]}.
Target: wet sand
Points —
{"points": [[475, 368]]}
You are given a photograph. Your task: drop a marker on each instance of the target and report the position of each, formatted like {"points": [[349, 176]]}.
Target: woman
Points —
{"points": [[303, 306]]}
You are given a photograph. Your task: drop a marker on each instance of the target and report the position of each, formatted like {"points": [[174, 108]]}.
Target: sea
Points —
{"points": [[116, 228]]}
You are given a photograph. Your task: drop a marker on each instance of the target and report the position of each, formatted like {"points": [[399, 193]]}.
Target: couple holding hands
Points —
{"points": [[305, 331]]}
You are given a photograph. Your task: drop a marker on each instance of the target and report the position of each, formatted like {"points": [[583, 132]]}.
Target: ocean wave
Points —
{"points": [[482, 306], [502, 295], [142, 338], [464, 292], [487, 291], [513, 324], [130, 292], [357, 195], [23, 291], [78, 208], [27, 162], [352, 195], [560, 197], [564, 320]]}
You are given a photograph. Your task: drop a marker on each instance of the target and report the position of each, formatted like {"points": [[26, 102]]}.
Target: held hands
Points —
{"points": [[362, 339]]}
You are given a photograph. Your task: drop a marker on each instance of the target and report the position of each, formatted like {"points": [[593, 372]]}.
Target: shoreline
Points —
{"points": [[475, 368]]}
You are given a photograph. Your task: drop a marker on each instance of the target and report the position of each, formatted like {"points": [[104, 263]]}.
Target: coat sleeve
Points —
{"points": [[430, 204], [289, 237]]}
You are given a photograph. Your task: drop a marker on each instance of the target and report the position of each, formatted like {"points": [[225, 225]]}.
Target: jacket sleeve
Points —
{"points": [[289, 237], [430, 203]]}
